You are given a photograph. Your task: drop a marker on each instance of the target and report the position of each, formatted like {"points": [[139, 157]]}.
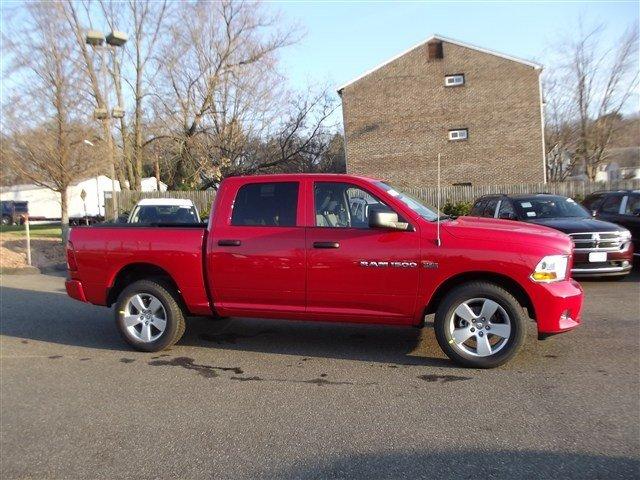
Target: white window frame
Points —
{"points": [[456, 80], [458, 134]]}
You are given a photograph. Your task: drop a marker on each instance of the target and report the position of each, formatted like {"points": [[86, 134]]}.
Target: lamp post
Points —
{"points": [[96, 40]]}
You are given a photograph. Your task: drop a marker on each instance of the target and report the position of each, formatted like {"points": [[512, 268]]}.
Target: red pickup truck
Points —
{"points": [[336, 248]]}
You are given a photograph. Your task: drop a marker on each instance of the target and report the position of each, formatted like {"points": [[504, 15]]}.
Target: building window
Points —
{"points": [[458, 134], [454, 80]]}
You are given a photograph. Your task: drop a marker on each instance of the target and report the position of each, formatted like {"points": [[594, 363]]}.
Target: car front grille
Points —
{"points": [[597, 241]]}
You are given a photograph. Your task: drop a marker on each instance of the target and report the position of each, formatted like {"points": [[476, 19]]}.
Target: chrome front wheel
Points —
{"points": [[479, 327], [480, 324]]}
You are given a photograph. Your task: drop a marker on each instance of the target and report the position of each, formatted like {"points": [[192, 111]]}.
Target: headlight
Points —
{"points": [[551, 268], [625, 235]]}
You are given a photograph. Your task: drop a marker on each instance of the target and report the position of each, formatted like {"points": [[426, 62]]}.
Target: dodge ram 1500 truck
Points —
{"points": [[336, 248]]}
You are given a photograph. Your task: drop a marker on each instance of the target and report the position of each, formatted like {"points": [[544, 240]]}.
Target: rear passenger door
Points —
{"points": [[256, 260]]}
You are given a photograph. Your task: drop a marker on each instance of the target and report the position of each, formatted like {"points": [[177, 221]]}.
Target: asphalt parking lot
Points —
{"points": [[275, 399]]}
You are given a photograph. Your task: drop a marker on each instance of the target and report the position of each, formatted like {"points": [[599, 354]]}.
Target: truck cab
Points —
{"points": [[336, 248]]}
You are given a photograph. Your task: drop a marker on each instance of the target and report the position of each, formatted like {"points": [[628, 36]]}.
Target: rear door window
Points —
{"points": [[592, 202], [611, 204], [266, 205], [633, 205], [506, 209], [490, 207], [476, 211]]}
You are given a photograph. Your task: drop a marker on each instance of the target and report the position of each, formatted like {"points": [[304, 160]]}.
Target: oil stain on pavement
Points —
{"points": [[232, 337], [207, 371], [442, 378]]}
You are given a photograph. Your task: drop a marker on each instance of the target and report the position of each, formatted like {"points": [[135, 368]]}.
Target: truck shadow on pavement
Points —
{"points": [[474, 463], [53, 317], [369, 343]]}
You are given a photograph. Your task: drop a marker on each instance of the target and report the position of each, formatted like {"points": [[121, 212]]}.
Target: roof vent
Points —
{"points": [[434, 49]]}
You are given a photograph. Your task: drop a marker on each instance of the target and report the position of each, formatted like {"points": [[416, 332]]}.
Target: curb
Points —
{"points": [[20, 271], [59, 267]]}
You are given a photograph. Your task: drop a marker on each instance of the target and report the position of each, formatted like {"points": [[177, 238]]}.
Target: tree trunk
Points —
{"points": [[156, 169], [64, 220]]}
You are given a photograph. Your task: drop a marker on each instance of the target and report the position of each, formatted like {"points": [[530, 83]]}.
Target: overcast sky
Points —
{"points": [[344, 40]]}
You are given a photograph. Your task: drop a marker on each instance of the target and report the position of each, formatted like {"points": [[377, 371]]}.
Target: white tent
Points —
{"points": [[45, 203]]}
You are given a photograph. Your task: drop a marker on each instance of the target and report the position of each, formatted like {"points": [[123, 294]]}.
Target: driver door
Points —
{"points": [[355, 272]]}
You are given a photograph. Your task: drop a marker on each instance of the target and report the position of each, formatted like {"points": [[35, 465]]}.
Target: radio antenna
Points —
{"points": [[438, 242]]}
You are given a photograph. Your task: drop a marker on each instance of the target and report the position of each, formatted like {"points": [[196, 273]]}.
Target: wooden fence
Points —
{"points": [[577, 190], [126, 199], [203, 199]]}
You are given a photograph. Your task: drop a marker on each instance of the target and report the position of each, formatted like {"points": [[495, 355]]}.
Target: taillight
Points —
{"points": [[72, 265]]}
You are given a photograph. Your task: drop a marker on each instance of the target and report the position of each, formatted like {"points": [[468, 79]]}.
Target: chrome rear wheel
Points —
{"points": [[145, 318]]}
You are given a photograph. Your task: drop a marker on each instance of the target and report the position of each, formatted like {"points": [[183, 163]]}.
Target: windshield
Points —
{"points": [[549, 207], [425, 212], [164, 214]]}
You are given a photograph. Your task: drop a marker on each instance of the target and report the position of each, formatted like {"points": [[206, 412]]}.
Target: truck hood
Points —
{"points": [[507, 231], [577, 225]]}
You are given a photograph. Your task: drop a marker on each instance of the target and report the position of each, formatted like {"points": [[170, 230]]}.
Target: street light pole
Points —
{"points": [[115, 39]]}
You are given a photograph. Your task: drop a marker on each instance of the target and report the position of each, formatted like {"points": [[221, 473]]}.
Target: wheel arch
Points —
{"points": [[504, 281], [139, 271]]}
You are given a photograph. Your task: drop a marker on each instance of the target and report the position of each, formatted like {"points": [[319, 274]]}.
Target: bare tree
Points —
{"points": [[218, 84], [45, 125], [592, 87]]}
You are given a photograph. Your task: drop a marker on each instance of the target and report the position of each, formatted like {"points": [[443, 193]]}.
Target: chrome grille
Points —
{"points": [[597, 241]]}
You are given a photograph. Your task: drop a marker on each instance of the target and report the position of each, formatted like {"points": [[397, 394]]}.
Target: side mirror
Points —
{"points": [[636, 212], [507, 216], [388, 220]]}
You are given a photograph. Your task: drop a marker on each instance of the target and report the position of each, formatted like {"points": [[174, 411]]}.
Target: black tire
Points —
{"points": [[175, 326], [515, 311], [6, 220]]}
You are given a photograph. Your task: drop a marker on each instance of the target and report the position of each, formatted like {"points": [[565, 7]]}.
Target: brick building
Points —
{"points": [[481, 110]]}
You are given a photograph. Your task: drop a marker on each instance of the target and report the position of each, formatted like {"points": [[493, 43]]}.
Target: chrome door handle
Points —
{"points": [[229, 243], [326, 245]]}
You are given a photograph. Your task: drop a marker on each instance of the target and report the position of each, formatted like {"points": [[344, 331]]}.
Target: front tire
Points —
{"points": [[148, 315], [480, 325]]}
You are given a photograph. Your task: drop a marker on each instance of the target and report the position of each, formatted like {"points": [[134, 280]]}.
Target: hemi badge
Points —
{"points": [[429, 264]]}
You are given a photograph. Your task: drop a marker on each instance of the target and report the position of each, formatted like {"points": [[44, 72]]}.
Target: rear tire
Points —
{"points": [[148, 315], [480, 325]]}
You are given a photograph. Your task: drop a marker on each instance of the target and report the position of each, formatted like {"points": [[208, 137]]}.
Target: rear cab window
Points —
{"points": [[266, 204]]}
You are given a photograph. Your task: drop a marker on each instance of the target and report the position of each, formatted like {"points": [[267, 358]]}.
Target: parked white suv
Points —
{"points": [[164, 210]]}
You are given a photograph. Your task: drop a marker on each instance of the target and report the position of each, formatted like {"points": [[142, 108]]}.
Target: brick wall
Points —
{"points": [[397, 119]]}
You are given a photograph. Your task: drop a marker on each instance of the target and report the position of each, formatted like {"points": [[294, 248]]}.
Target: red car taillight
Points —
{"points": [[72, 265]]}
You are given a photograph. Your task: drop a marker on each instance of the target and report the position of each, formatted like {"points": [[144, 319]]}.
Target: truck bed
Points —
{"points": [[103, 252]]}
